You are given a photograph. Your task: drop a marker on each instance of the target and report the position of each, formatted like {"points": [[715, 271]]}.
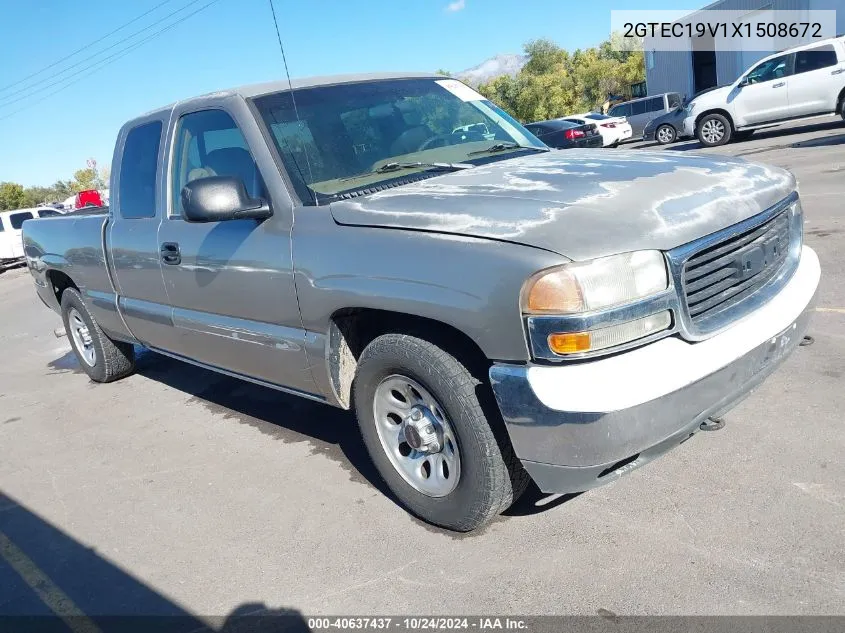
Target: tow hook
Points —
{"points": [[712, 424]]}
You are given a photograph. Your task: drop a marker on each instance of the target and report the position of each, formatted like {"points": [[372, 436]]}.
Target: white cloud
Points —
{"points": [[457, 5]]}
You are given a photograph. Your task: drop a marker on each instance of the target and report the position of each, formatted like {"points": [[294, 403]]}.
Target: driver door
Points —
{"points": [[765, 95]]}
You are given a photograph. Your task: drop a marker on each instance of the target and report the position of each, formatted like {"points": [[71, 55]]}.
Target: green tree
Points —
{"points": [[11, 196], [88, 178], [554, 82]]}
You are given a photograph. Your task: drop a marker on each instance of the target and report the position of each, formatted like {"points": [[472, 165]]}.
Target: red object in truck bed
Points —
{"points": [[88, 198]]}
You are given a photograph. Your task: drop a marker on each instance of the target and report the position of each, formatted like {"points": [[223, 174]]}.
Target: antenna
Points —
{"points": [[290, 86]]}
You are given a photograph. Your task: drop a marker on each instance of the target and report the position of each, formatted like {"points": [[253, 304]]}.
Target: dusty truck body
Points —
{"points": [[493, 311]]}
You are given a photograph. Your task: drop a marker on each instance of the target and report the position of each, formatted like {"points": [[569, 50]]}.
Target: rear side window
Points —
{"points": [[623, 109], [46, 213], [639, 107], [138, 166], [655, 104], [2, 223], [815, 59], [17, 219]]}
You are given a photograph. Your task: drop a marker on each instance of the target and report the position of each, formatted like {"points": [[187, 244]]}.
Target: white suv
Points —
{"points": [[801, 82]]}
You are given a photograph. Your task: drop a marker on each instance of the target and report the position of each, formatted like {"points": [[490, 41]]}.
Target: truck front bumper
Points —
{"points": [[580, 425]]}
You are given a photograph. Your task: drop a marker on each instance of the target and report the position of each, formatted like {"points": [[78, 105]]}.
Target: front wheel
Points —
{"points": [[665, 134], [423, 421], [103, 359], [714, 130]]}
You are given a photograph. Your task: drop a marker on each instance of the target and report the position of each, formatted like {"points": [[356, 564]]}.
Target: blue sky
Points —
{"points": [[45, 136]]}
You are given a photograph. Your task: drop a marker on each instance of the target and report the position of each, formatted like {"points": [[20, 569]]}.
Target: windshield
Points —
{"points": [[345, 134]]}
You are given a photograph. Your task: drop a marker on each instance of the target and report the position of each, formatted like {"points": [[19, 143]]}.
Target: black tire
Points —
{"points": [[491, 477], [743, 135], [713, 140], [669, 134], [112, 359]]}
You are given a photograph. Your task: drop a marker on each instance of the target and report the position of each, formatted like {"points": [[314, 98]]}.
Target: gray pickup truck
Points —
{"points": [[494, 311]]}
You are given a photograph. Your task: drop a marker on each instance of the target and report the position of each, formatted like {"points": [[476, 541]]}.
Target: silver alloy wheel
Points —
{"points": [[713, 130], [664, 134], [416, 436], [81, 337]]}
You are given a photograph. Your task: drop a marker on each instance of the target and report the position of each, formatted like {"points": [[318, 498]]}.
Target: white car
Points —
{"points": [[613, 129], [11, 244], [798, 83]]}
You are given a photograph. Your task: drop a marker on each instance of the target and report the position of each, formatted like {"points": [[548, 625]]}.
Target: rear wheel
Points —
{"points": [[423, 420], [714, 130], [665, 134], [99, 356]]}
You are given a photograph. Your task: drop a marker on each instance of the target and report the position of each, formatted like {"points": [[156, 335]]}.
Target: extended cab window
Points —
{"points": [[138, 166], [17, 219], [815, 59], [768, 70], [209, 143]]}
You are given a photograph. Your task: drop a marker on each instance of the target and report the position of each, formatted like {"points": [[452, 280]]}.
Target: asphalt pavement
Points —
{"points": [[180, 491]]}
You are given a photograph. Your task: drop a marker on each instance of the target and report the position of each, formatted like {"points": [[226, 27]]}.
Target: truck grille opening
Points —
{"points": [[721, 276]]}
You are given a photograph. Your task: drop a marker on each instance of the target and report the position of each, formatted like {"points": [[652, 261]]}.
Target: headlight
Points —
{"points": [[688, 108], [570, 308], [596, 284]]}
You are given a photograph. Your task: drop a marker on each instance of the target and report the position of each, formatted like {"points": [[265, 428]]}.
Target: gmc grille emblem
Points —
{"points": [[756, 258]]}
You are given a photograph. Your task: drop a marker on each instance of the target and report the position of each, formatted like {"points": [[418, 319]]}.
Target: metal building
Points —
{"points": [[689, 72]]}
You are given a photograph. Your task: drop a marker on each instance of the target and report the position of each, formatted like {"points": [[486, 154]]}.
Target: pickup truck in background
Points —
{"points": [[492, 310], [799, 83]]}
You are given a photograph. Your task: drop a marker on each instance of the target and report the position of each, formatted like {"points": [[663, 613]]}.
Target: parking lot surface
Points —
{"points": [[180, 491]]}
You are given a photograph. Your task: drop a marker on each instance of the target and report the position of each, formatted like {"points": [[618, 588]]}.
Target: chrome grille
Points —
{"points": [[719, 277]]}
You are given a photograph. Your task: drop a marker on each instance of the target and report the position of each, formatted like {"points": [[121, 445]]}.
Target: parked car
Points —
{"points": [[566, 134], [667, 128], [493, 311], [638, 112], [798, 83], [613, 130], [11, 222]]}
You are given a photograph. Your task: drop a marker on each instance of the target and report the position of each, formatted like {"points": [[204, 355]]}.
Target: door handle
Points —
{"points": [[779, 85], [837, 72], [170, 253]]}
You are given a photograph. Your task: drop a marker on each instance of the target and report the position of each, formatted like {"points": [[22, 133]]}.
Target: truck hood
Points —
{"points": [[580, 203]]}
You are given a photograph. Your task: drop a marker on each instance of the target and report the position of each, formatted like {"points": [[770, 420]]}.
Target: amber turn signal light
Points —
{"points": [[569, 342]]}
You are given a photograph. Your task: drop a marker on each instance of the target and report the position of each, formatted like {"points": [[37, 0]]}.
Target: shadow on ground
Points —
{"points": [[51, 582], [329, 431], [775, 133]]}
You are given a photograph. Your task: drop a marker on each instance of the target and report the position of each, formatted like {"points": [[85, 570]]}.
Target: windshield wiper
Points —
{"points": [[501, 147], [389, 167]]}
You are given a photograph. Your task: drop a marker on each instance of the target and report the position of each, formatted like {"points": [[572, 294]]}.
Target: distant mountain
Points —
{"points": [[492, 68]]}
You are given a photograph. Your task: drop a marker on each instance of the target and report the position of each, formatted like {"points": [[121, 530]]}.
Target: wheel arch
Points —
{"points": [[840, 103], [720, 111], [352, 329], [59, 282]]}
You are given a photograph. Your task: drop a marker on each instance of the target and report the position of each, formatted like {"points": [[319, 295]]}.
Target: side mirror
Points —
{"points": [[745, 82], [220, 198]]}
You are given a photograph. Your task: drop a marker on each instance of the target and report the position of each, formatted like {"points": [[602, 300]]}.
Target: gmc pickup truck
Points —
{"points": [[493, 311]]}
